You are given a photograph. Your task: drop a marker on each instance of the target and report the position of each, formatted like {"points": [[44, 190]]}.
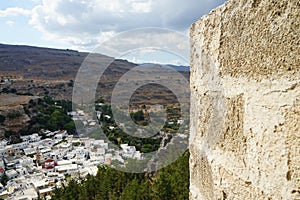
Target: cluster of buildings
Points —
{"points": [[33, 168], [79, 115]]}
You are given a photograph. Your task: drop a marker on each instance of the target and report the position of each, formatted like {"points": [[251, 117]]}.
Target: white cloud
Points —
{"points": [[14, 12], [142, 7], [86, 23], [148, 45], [10, 23]]}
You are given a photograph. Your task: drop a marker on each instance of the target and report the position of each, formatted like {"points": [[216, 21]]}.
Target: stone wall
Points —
{"points": [[245, 101]]}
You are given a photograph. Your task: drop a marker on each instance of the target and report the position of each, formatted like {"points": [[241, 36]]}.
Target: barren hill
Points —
{"points": [[27, 70], [37, 62]]}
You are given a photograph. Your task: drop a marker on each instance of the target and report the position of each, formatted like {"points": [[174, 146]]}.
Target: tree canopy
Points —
{"points": [[171, 182]]}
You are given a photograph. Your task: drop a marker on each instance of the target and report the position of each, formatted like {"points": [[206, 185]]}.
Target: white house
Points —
{"points": [[10, 162], [46, 192], [180, 121], [11, 174], [72, 113], [21, 145], [46, 151], [39, 183], [128, 151], [138, 155], [98, 114], [80, 113], [92, 170], [64, 162], [92, 123], [34, 137], [100, 143], [48, 142], [66, 169], [80, 152], [29, 151], [26, 194], [59, 136], [107, 116], [21, 171], [25, 162]]}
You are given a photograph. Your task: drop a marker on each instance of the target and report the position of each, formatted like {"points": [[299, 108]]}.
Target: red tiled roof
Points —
{"points": [[49, 160]]}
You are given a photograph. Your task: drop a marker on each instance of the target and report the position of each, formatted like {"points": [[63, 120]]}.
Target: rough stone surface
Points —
{"points": [[245, 101]]}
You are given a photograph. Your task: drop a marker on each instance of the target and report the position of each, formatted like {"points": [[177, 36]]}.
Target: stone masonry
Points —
{"points": [[245, 101]]}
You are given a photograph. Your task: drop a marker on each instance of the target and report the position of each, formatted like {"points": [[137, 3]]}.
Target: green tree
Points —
{"points": [[135, 190], [13, 90], [137, 116], [171, 182], [71, 83], [13, 115], [48, 100], [5, 90], [70, 127], [4, 179], [101, 100]]}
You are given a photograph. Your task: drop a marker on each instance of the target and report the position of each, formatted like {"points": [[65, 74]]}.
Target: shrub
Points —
{"points": [[71, 83], [14, 115], [2, 119]]}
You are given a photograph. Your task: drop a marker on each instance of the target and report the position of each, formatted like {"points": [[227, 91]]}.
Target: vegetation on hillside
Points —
{"points": [[118, 136], [49, 114], [171, 182], [45, 113]]}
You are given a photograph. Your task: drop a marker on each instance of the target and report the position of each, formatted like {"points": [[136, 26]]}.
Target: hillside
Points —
{"points": [[38, 62], [12, 114], [30, 72], [40, 71]]}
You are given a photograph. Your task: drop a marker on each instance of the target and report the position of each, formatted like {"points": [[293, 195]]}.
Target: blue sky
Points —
{"points": [[85, 24]]}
